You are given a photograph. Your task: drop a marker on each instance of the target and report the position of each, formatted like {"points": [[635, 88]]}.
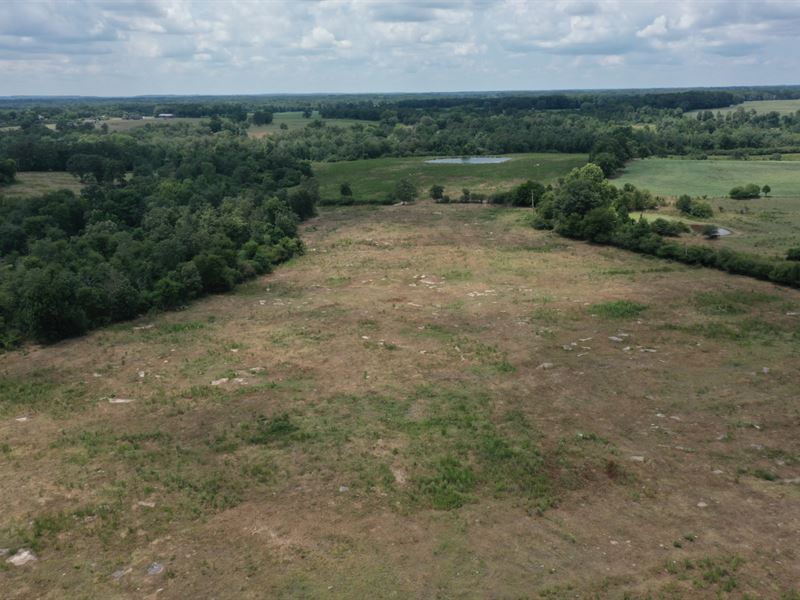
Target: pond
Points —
{"points": [[469, 160]]}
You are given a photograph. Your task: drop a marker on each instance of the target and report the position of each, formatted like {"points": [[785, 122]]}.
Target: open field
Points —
{"points": [[433, 402], [375, 179], [713, 178], [295, 120], [122, 125], [36, 183], [784, 107], [771, 224]]}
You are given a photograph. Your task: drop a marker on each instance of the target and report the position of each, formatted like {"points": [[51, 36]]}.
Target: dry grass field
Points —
{"points": [[432, 402], [36, 183]]}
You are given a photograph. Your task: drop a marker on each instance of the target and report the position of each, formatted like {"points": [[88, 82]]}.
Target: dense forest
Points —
{"points": [[163, 219], [172, 212]]}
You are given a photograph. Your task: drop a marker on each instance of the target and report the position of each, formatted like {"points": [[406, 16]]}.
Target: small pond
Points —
{"points": [[722, 231], [469, 160]]}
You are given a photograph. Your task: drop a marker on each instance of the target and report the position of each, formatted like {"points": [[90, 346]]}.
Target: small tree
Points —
{"points": [[405, 191], [766, 189], [793, 254], [437, 192], [345, 189], [8, 171]]}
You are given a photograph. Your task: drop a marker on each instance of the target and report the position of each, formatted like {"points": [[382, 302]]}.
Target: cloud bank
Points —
{"points": [[178, 47]]}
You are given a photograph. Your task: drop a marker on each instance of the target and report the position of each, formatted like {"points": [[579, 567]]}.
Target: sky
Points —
{"points": [[126, 47]]}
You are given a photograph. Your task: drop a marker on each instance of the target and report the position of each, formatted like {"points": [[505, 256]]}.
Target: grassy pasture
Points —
{"points": [[770, 225], [784, 107], [713, 178], [118, 124], [374, 179], [35, 183], [380, 416], [295, 120]]}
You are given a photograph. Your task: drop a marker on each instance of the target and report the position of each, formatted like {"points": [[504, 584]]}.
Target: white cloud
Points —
{"points": [[113, 47]]}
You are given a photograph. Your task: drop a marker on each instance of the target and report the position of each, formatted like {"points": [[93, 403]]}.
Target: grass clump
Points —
{"points": [[618, 309]]}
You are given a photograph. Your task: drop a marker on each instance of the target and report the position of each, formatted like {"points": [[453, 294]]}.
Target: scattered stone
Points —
{"points": [[155, 568], [140, 327], [717, 471], [647, 350], [240, 380], [220, 381], [262, 302], [660, 415], [626, 349], [701, 505], [255, 370], [119, 400], [22, 557], [637, 459], [96, 375], [21, 419], [545, 366], [567, 347], [141, 374], [675, 418], [4, 551], [792, 314], [119, 574], [364, 337], [234, 350], [584, 339], [615, 338], [794, 480], [765, 370], [146, 504], [343, 489]]}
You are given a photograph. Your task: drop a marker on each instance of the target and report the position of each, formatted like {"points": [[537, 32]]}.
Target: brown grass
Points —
{"points": [[396, 319]]}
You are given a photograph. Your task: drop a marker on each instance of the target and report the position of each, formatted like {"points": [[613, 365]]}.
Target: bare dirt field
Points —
{"points": [[433, 402]]}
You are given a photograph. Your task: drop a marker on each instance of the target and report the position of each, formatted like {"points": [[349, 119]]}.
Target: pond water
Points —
{"points": [[469, 160], [722, 231]]}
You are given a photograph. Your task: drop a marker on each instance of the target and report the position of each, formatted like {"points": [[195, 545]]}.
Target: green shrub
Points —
{"points": [[745, 192]]}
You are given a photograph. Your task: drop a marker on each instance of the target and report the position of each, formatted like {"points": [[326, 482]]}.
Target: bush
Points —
{"points": [[8, 171], [745, 192], [694, 208], [669, 228], [793, 254]]}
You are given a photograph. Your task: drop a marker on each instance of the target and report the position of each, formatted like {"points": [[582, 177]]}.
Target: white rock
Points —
{"points": [[22, 557], [637, 459], [120, 400], [614, 338], [220, 381], [546, 365], [701, 505]]}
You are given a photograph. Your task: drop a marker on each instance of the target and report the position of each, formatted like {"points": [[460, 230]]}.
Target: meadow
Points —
{"points": [[434, 401], [295, 120], [373, 180], [712, 178], [769, 225], [36, 183], [783, 107]]}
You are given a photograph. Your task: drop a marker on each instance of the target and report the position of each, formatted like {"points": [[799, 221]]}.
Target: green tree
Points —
{"points": [[8, 171], [262, 117], [766, 189], [345, 190], [436, 192], [405, 191]]}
